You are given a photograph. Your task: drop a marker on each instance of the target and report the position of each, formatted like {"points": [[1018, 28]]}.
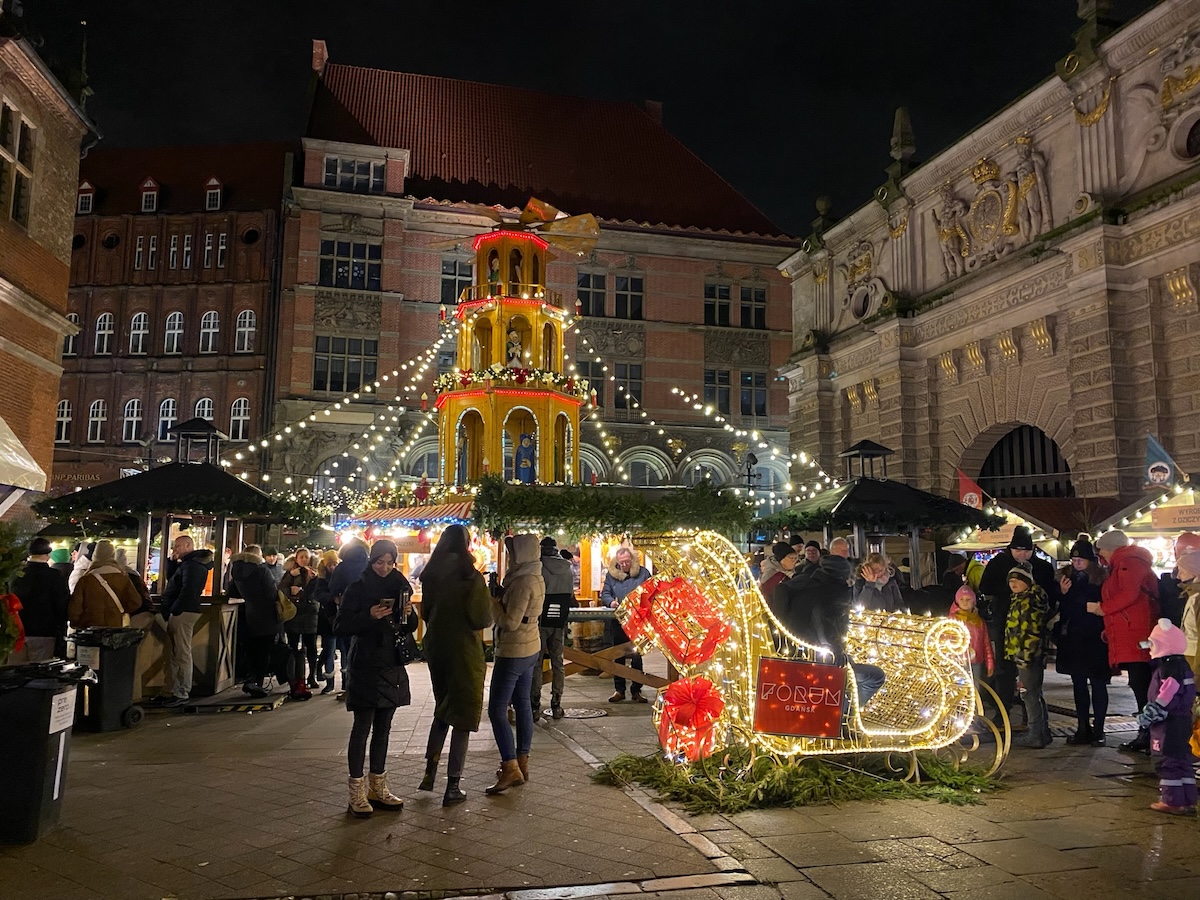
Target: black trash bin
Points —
{"points": [[37, 708], [112, 654]]}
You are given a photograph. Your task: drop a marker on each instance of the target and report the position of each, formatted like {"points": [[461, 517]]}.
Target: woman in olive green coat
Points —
{"points": [[455, 605]]}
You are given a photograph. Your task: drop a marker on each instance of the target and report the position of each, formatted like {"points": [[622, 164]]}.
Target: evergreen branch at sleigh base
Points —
{"points": [[730, 782], [581, 509]]}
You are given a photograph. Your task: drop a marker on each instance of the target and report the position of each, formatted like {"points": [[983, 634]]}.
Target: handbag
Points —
{"points": [[284, 607], [282, 662]]}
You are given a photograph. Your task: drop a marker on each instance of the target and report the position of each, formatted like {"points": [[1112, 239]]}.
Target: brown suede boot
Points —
{"points": [[523, 765], [510, 776]]}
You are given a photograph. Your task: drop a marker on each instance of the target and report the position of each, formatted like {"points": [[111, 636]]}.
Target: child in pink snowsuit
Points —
{"points": [[1168, 715], [963, 609]]}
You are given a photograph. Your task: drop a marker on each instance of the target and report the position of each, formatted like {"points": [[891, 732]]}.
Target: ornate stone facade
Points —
{"points": [[1040, 271]]}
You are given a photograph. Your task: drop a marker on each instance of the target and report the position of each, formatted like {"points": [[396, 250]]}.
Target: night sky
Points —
{"points": [[787, 99]]}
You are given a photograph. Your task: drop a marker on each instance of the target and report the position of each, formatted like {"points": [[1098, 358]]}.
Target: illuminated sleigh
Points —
{"points": [[704, 612]]}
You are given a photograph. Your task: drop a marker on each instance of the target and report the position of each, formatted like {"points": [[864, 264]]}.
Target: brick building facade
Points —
{"points": [[390, 165], [172, 276], [42, 129]]}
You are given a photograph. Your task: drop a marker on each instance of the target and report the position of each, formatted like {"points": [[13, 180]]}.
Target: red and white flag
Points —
{"points": [[969, 493]]}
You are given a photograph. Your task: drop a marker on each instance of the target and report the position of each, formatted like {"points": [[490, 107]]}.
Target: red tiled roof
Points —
{"points": [[491, 144], [251, 176]]}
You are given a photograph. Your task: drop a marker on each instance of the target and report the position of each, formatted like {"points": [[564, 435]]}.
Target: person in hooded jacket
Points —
{"points": [[517, 648], [623, 576], [104, 595], [45, 599], [251, 581], [455, 605], [552, 626], [1168, 716], [79, 565], [377, 613], [1129, 605], [180, 608], [1079, 637], [352, 562]]}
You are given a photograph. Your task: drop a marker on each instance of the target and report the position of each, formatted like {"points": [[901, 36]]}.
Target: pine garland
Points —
{"points": [[13, 549], [729, 782]]}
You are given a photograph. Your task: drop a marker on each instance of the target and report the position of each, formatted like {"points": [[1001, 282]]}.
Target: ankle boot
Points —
{"points": [[510, 776], [453, 794], [378, 794], [431, 766], [523, 765], [359, 807], [299, 691]]}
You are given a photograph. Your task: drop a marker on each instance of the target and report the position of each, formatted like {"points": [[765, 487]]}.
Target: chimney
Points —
{"points": [[653, 110], [320, 56]]}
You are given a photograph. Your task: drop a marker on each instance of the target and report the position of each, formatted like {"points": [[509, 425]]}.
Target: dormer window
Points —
{"points": [[360, 176], [85, 199], [212, 195], [149, 196]]}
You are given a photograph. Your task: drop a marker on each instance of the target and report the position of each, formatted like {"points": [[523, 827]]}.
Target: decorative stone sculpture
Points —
{"points": [[1033, 200], [952, 232]]}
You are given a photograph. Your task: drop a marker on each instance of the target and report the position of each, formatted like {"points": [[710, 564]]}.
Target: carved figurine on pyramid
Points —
{"points": [[512, 351], [523, 460]]}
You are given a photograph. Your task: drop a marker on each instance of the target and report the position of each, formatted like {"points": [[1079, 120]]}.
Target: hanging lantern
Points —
{"points": [[675, 615], [687, 722]]}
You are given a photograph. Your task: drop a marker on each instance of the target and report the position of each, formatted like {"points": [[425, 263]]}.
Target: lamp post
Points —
{"points": [[751, 475]]}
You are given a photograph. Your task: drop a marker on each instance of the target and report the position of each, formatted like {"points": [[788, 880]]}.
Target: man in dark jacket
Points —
{"points": [[180, 608], [44, 598], [560, 597], [353, 559], [251, 581], [815, 607], [994, 586]]}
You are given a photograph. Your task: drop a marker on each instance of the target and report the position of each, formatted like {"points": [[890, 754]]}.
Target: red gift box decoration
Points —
{"points": [[678, 617], [690, 710]]}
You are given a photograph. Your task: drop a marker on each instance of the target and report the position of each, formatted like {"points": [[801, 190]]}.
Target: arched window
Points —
{"points": [[210, 327], [131, 424], [643, 469], [1026, 462], [105, 325], [139, 334], [62, 422], [173, 335], [70, 341], [700, 472], [97, 416], [204, 409], [425, 465], [239, 420], [167, 416], [247, 323]]}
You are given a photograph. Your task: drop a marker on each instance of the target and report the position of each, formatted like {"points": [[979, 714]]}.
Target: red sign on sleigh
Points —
{"points": [[799, 698]]}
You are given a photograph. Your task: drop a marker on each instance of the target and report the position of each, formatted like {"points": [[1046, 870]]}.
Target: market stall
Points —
{"points": [[1156, 520]]}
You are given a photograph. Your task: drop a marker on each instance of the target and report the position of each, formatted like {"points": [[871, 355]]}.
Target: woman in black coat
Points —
{"points": [[376, 611], [252, 582], [1079, 637]]}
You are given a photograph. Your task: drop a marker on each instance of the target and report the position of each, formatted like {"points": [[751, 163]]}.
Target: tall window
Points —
{"points": [[187, 251], [754, 306], [350, 264], [754, 393], [97, 416], [168, 414], [343, 364], [104, 334], [150, 200], [210, 327], [629, 295], [222, 246], [173, 252], [83, 202], [212, 199], [456, 278], [139, 252], [239, 420], [643, 473], [716, 389], [16, 164], [247, 322], [152, 252], [139, 334], [629, 377], [361, 176], [208, 244], [131, 422], [589, 288], [70, 342], [204, 409], [716, 303], [62, 422], [173, 334], [594, 373]]}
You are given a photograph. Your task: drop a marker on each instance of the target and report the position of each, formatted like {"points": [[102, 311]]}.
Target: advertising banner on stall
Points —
{"points": [[1160, 470], [801, 699]]}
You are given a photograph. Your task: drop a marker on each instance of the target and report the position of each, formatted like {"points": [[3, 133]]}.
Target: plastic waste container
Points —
{"points": [[37, 708], [112, 654]]}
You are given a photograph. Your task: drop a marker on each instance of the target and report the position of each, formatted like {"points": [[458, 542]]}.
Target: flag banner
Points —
{"points": [[1160, 470], [969, 493]]}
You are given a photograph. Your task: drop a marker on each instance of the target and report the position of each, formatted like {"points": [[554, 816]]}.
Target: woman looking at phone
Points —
{"points": [[377, 613]]}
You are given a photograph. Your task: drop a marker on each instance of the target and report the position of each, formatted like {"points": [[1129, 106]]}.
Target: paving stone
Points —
{"points": [[946, 881], [1024, 857], [773, 870], [805, 850], [685, 882], [801, 890], [1008, 890], [879, 881], [760, 822], [568, 893], [749, 892]]}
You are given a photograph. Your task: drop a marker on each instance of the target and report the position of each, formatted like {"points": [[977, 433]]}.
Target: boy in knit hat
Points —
{"points": [[1025, 644], [1168, 715]]}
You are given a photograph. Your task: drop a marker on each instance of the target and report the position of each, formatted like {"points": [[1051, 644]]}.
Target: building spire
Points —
{"points": [[1098, 24], [85, 89], [904, 145]]}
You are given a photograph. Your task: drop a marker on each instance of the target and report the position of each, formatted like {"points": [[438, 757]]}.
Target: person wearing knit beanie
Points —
{"points": [[1168, 716], [1186, 541], [1025, 635], [381, 547], [1021, 539], [778, 566], [1082, 548], [1111, 541]]}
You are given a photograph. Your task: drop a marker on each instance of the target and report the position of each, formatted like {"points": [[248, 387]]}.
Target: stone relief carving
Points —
{"points": [[1180, 68], [1019, 293], [308, 446], [737, 348], [351, 223], [951, 224], [346, 310], [865, 291], [627, 339], [1124, 250]]}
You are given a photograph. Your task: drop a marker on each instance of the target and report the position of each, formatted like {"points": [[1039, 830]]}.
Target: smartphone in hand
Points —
{"points": [[389, 602]]}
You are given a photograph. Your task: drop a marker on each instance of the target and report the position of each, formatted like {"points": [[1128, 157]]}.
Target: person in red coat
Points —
{"points": [[1129, 605]]}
